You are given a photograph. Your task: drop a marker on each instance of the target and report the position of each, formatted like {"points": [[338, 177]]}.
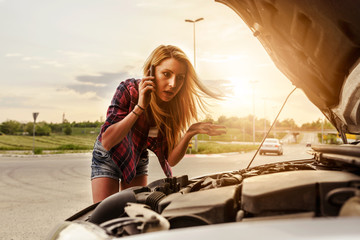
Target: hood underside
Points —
{"points": [[316, 44]]}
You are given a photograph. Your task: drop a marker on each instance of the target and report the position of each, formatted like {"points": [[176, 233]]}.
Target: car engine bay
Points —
{"points": [[325, 186]]}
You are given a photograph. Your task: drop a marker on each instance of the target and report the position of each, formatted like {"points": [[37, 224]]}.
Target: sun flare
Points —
{"points": [[238, 89]]}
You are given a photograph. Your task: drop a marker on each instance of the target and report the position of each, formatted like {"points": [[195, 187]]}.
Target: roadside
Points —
{"points": [[22, 146], [204, 147], [27, 153]]}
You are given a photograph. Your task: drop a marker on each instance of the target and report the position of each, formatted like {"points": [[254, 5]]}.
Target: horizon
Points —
{"points": [[59, 57], [215, 119]]}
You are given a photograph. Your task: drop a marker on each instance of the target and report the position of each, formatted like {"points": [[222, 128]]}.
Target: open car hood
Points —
{"points": [[316, 44]]}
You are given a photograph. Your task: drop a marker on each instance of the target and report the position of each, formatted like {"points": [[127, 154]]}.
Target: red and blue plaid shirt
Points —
{"points": [[127, 153]]}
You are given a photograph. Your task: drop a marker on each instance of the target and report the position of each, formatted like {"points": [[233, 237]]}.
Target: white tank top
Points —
{"points": [[153, 132]]}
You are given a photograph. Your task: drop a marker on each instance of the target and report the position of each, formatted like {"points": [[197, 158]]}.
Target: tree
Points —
{"points": [[222, 120], [67, 129], [208, 118], [287, 123], [10, 127], [317, 125], [41, 128], [56, 127]]}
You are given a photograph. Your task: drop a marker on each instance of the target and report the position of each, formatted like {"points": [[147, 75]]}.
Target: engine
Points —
{"points": [[276, 191]]}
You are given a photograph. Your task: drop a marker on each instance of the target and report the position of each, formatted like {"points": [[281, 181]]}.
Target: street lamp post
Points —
{"points": [[193, 22]]}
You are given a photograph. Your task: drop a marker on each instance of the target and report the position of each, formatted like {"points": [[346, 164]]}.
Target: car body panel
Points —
{"points": [[344, 229], [316, 44]]}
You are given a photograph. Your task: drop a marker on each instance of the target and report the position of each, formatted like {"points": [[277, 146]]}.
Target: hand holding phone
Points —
{"points": [[146, 86]]}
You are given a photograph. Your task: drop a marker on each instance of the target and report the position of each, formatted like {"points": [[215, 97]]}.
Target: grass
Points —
{"points": [[221, 147], [82, 143], [47, 143]]}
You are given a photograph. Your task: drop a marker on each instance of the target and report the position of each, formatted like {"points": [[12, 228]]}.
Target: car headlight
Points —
{"points": [[78, 230]]}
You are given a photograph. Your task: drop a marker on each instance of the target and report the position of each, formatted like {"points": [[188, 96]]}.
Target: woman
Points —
{"points": [[150, 113]]}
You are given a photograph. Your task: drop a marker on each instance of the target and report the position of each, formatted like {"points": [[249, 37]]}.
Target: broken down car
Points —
{"points": [[316, 44]]}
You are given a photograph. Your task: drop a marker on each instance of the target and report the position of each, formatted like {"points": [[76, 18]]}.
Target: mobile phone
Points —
{"points": [[152, 71]]}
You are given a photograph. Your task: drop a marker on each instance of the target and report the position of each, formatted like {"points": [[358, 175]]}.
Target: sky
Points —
{"points": [[66, 58]]}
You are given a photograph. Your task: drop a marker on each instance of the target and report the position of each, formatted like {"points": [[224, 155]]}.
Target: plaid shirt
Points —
{"points": [[127, 153]]}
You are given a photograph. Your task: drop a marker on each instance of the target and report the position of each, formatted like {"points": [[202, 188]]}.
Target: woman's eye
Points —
{"points": [[166, 74], [180, 78]]}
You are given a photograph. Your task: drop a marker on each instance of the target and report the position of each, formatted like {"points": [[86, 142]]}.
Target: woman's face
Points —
{"points": [[170, 75]]}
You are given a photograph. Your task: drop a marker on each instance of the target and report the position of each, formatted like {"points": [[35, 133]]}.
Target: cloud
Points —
{"points": [[21, 102], [35, 61], [14, 102], [222, 58], [75, 54], [53, 63], [159, 4], [12, 54], [102, 84], [221, 87], [102, 77]]}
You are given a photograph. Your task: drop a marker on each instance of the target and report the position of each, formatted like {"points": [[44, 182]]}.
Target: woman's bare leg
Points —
{"points": [[103, 187], [137, 181]]}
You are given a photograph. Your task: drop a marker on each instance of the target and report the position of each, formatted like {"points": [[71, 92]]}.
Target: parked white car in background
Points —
{"points": [[272, 145]]}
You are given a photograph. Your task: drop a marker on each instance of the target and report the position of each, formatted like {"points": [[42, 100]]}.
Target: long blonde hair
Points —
{"points": [[182, 109]]}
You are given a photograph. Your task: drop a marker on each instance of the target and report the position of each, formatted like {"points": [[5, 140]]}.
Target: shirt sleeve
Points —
{"points": [[121, 104]]}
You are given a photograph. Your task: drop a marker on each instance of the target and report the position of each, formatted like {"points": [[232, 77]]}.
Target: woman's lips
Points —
{"points": [[169, 93]]}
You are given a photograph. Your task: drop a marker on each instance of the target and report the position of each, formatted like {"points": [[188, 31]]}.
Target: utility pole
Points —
{"points": [[253, 85], [265, 116], [35, 115]]}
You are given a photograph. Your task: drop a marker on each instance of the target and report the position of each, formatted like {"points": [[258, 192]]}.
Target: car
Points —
{"points": [[271, 145], [315, 43]]}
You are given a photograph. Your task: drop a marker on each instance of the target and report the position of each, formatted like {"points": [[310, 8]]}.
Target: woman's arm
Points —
{"points": [[115, 133], [197, 128]]}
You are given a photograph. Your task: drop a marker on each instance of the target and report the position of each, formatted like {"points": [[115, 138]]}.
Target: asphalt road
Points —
{"points": [[38, 192]]}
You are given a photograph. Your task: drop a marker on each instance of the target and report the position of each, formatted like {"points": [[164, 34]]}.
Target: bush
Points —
{"points": [[38, 151], [67, 130], [72, 147]]}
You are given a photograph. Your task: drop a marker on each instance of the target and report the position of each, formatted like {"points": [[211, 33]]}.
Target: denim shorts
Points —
{"points": [[103, 165]]}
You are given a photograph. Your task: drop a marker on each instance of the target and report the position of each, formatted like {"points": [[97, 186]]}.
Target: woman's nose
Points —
{"points": [[172, 82]]}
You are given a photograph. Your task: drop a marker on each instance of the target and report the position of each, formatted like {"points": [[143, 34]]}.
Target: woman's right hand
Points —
{"points": [[146, 86]]}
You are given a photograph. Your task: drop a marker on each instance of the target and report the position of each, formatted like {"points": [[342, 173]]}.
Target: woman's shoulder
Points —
{"points": [[129, 84], [129, 87]]}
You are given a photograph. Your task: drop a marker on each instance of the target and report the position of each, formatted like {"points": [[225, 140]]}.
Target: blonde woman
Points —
{"points": [[152, 113]]}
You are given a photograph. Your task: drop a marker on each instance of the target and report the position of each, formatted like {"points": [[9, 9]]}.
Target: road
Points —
{"points": [[38, 192]]}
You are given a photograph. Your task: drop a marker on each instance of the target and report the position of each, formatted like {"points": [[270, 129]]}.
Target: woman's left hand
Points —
{"points": [[197, 128], [206, 128]]}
